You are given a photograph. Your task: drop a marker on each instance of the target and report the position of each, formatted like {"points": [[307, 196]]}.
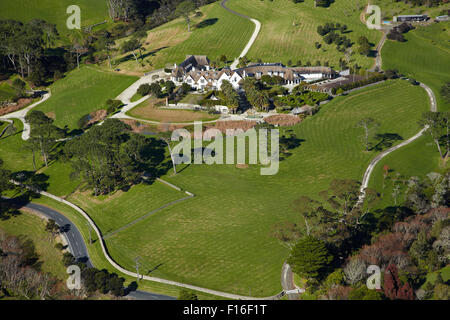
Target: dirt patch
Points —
{"points": [[97, 116], [283, 120], [51, 115], [242, 166], [238, 124], [21, 103]]}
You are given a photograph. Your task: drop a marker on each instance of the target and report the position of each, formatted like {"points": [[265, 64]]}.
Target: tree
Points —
{"points": [[445, 91], [144, 89], [52, 227], [170, 87], [307, 207], [369, 125], [355, 271], [393, 289], [185, 9], [132, 45], [434, 124], [309, 258], [155, 90], [44, 134]]}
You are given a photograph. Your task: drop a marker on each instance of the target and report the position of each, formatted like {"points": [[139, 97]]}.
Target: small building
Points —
{"points": [[411, 18], [442, 18]]}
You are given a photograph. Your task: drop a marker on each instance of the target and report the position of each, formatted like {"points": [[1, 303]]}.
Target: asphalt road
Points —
{"points": [[78, 247]]}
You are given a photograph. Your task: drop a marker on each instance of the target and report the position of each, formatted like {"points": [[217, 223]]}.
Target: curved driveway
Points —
{"points": [[374, 162], [22, 113], [253, 37]]}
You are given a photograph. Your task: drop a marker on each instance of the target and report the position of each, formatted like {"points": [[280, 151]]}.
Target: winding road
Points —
{"points": [[252, 38], [20, 114], [74, 238]]}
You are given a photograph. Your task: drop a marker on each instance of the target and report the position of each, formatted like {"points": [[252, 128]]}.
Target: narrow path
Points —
{"points": [[20, 114], [287, 282], [376, 160], [253, 37]]}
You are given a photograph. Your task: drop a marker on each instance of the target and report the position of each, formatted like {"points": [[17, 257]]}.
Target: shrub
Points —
{"points": [[144, 89]]}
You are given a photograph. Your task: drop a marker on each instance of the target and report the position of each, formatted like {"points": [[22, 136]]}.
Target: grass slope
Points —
{"points": [[425, 57], [114, 211], [222, 238], [54, 11], [289, 30], [32, 227], [13, 152], [217, 32], [82, 91]]}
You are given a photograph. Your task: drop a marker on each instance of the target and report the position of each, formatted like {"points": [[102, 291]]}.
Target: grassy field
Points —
{"points": [[222, 238], [97, 257], [114, 211], [148, 111], [33, 227], [215, 33], [13, 152], [54, 11], [425, 57], [289, 30], [81, 92], [416, 159], [6, 91]]}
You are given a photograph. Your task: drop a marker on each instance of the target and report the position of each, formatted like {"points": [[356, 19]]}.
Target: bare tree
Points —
{"points": [[369, 125]]}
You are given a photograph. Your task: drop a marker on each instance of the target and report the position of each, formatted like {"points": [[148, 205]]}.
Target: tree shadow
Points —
{"points": [[386, 140], [207, 23]]}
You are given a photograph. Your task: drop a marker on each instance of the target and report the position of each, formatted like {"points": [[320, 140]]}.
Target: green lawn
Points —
{"points": [[6, 91], [81, 92], [289, 30], [54, 11], [425, 57], [13, 152], [116, 210], [33, 227], [222, 239], [215, 33], [416, 159]]}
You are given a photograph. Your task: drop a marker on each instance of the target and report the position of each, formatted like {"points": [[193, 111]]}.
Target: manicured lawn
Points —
{"points": [[148, 111], [6, 91], [13, 152], [416, 159], [215, 33], [116, 210], [223, 238], [96, 255], [289, 30], [81, 92], [425, 57], [32, 227], [54, 11]]}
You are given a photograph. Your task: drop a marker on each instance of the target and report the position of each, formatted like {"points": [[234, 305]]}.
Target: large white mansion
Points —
{"points": [[197, 72]]}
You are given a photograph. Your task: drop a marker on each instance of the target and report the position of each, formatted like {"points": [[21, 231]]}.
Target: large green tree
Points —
{"points": [[309, 258]]}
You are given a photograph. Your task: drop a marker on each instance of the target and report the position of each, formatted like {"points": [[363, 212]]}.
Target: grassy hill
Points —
{"points": [[289, 30], [29, 226], [425, 56], [54, 11], [222, 238], [215, 33], [83, 91]]}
